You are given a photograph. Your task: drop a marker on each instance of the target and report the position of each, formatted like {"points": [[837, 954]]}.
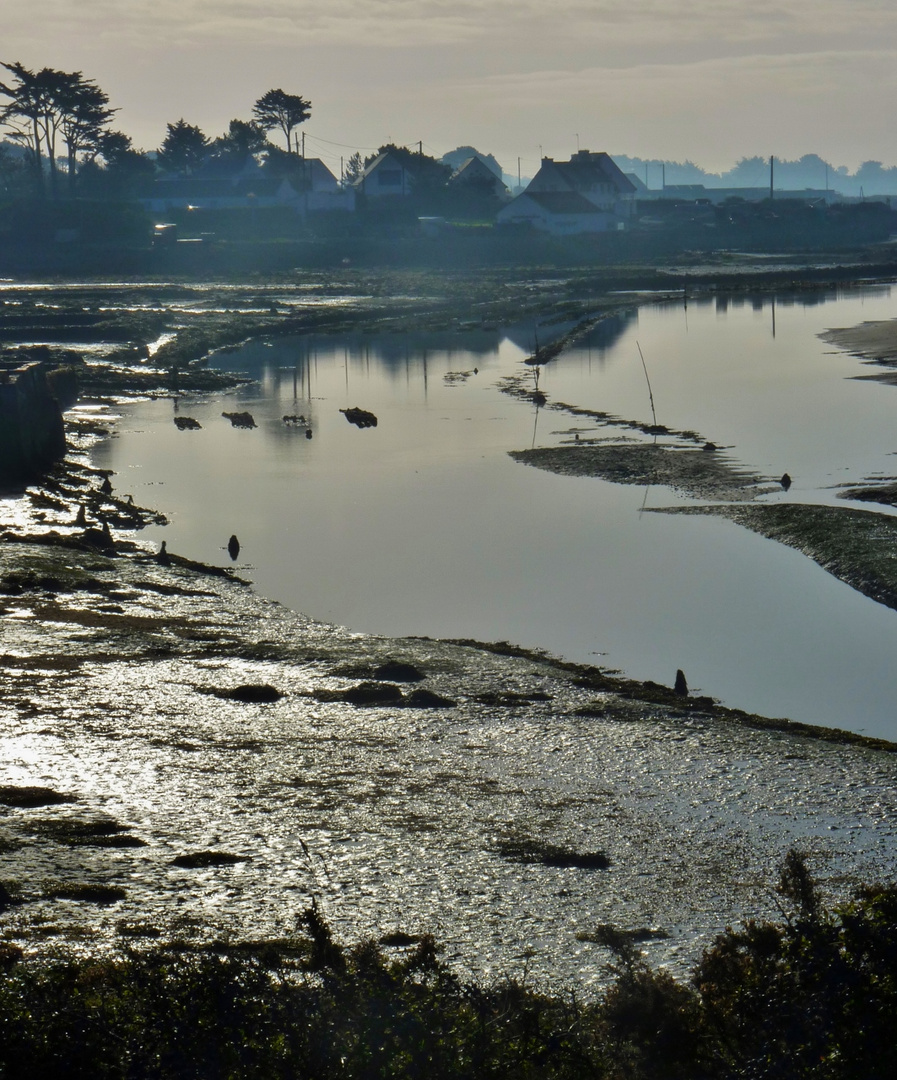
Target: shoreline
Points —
{"points": [[133, 677], [126, 691]]}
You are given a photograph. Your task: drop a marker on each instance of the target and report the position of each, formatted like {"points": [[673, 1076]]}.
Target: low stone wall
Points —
{"points": [[32, 434]]}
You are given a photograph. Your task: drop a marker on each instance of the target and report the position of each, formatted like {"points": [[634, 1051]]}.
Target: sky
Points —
{"points": [[708, 81]]}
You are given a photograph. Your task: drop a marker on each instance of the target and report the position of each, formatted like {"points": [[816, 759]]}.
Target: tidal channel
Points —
{"points": [[424, 525]]}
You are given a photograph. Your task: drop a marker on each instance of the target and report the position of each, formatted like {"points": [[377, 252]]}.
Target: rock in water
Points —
{"points": [[360, 417], [240, 419], [187, 423], [233, 547], [681, 686]]}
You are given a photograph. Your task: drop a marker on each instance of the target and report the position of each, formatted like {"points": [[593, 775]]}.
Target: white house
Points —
{"points": [[562, 213], [386, 175], [588, 193]]}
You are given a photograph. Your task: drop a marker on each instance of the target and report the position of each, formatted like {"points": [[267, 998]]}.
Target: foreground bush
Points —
{"points": [[814, 996]]}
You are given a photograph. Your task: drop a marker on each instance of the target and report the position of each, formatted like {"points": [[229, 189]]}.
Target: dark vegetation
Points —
{"points": [[812, 995]]}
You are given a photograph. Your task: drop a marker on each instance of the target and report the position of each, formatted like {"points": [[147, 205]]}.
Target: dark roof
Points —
{"points": [[585, 171], [562, 202]]}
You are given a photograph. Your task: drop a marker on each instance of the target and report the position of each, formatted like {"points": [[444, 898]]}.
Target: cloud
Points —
{"points": [[670, 77], [714, 24]]}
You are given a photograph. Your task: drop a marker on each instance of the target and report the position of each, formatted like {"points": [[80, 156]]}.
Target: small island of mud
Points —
{"points": [[702, 474]]}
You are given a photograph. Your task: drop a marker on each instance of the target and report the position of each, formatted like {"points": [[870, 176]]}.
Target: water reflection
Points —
{"points": [[423, 525]]}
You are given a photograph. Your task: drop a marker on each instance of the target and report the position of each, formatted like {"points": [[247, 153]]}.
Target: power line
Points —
{"points": [[345, 146]]}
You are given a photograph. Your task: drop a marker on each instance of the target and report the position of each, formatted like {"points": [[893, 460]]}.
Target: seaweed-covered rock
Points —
{"points": [[361, 418], [198, 860], [252, 693], [240, 419], [33, 796], [364, 693], [421, 698], [398, 671]]}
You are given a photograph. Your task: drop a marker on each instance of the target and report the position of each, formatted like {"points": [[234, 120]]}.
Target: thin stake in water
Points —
{"points": [[648, 381]]}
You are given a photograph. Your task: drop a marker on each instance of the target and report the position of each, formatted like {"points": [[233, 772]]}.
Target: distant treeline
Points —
{"points": [[809, 171]]}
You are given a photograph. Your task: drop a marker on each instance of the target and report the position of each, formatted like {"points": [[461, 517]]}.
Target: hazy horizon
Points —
{"points": [[709, 83]]}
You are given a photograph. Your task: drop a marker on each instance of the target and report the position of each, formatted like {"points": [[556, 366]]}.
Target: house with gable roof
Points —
{"points": [[588, 193], [313, 187], [386, 175], [475, 174]]}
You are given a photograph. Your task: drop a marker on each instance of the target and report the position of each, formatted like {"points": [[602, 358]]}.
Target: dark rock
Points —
{"points": [[373, 693], [361, 418], [426, 699], [785, 481], [535, 852], [680, 687], [85, 893], [252, 693], [33, 796], [197, 860], [233, 548], [364, 693], [186, 423], [6, 900], [398, 671], [240, 419]]}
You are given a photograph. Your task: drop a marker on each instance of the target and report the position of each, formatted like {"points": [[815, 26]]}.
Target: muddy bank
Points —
{"points": [[183, 759], [875, 342], [703, 474]]}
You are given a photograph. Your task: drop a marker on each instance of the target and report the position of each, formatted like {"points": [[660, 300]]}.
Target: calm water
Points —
{"points": [[424, 525]]}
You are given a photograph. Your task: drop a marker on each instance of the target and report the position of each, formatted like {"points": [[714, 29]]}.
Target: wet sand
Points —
{"points": [[196, 808], [209, 761]]}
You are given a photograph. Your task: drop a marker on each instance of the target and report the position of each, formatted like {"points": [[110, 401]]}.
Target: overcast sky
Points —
{"points": [[705, 80]]}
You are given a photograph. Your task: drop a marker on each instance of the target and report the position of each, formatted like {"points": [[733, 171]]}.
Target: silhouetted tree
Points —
{"points": [[354, 169], [14, 173], [115, 169], [185, 148], [231, 151], [277, 109], [242, 137], [47, 106], [83, 116]]}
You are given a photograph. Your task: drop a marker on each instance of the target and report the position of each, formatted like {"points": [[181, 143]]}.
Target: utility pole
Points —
{"points": [[771, 175], [519, 185], [663, 177]]}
